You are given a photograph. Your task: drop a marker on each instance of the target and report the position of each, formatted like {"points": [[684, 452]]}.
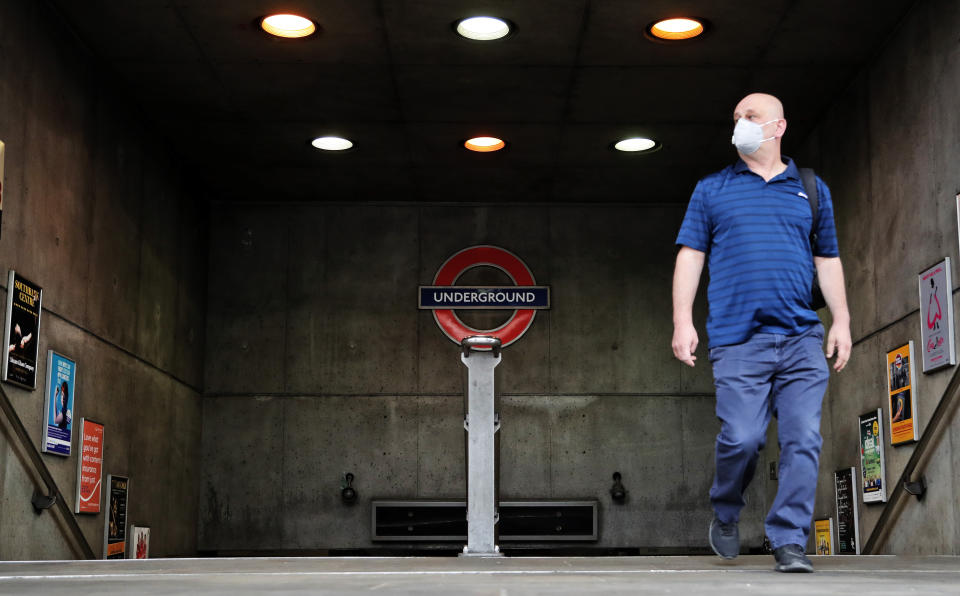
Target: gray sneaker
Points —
{"points": [[790, 559], [724, 539]]}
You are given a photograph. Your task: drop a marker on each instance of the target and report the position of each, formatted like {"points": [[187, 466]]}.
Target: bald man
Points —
{"points": [[753, 223]]}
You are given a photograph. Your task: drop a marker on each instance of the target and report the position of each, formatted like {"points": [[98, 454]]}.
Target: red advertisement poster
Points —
{"points": [[90, 468]]}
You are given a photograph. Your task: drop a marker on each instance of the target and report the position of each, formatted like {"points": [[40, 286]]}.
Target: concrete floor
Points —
{"points": [[499, 577]]}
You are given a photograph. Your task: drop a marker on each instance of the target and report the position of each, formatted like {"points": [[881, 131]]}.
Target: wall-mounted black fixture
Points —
{"points": [[617, 492], [917, 488], [41, 501], [348, 493]]}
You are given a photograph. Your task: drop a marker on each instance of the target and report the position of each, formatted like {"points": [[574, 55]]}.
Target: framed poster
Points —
{"points": [[89, 467], [936, 317], [22, 330], [139, 542], [872, 462], [1, 188], [901, 389], [848, 517], [823, 535], [115, 522], [59, 405]]}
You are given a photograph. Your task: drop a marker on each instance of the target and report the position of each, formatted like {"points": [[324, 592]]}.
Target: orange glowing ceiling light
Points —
{"points": [[676, 29], [485, 144]]}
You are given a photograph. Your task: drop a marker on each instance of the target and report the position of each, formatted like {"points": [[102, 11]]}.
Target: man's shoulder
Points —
{"points": [[715, 182], [718, 177]]}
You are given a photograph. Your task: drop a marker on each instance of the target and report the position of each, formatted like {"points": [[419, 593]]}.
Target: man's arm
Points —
{"points": [[686, 279], [830, 272]]}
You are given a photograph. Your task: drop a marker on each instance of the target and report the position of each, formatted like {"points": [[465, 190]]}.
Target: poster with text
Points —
{"points": [[60, 404], [936, 317], [89, 467], [902, 393], [115, 522], [1, 187], [139, 542], [848, 515], [22, 330], [871, 457], [823, 536]]}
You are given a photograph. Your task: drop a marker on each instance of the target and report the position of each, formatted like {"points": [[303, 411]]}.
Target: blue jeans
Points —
{"points": [[770, 375]]}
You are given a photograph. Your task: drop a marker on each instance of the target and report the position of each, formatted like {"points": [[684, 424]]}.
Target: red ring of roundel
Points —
{"points": [[477, 256]]}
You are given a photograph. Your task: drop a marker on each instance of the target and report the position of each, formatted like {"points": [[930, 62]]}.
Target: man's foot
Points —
{"points": [[724, 539], [790, 559]]}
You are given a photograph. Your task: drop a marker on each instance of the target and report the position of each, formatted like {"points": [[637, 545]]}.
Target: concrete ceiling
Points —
{"points": [[240, 107]]}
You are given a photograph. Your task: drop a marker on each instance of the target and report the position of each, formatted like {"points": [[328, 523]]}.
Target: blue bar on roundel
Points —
{"points": [[486, 297]]}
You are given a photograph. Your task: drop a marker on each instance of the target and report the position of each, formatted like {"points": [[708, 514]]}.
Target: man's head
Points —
{"points": [[765, 111]]}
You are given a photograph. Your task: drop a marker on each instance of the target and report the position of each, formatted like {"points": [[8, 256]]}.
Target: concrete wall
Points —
{"points": [[96, 212], [889, 149], [319, 363]]}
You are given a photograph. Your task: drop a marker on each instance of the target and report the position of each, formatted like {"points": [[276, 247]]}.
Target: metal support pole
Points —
{"points": [[481, 424]]}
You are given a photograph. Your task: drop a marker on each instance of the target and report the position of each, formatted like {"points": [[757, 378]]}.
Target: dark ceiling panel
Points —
{"points": [[637, 184], [322, 92], [656, 94], [483, 93], [334, 183], [827, 32], [143, 30], [183, 90], [483, 183]]}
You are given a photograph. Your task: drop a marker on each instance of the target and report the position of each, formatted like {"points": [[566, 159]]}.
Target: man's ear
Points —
{"points": [[781, 128]]}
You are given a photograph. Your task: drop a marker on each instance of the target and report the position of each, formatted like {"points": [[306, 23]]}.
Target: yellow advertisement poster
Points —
{"points": [[823, 535], [901, 381]]}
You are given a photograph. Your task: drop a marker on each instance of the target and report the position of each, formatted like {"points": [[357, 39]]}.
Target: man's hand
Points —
{"points": [[685, 342], [830, 273], [686, 278], [838, 340]]}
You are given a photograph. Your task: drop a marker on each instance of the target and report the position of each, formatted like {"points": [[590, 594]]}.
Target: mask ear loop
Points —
{"points": [[766, 123]]}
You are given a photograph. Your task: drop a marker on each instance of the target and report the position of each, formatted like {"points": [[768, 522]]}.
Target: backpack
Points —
{"points": [[809, 179]]}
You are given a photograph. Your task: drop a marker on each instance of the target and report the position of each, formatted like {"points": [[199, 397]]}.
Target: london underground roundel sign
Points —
{"points": [[525, 298]]}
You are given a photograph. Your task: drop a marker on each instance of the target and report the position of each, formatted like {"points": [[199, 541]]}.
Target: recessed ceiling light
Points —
{"points": [[483, 28], [485, 144], [676, 29], [332, 143], [288, 25], [636, 145]]}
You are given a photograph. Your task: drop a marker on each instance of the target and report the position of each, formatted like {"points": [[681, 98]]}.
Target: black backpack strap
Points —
{"points": [[809, 179]]}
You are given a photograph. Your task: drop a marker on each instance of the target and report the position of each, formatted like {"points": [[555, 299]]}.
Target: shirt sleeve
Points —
{"points": [[826, 228], [695, 229]]}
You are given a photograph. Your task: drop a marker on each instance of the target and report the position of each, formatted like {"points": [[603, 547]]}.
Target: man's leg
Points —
{"points": [[742, 375], [798, 390]]}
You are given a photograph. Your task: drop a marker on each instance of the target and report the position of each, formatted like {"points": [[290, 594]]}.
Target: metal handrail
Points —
{"points": [[939, 422], [52, 491]]}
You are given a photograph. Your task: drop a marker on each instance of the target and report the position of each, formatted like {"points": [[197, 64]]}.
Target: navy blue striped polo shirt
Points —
{"points": [[756, 235]]}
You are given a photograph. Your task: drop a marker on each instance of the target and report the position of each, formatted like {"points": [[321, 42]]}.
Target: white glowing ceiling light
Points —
{"points": [[483, 28], [635, 144], [288, 25], [332, 143]]}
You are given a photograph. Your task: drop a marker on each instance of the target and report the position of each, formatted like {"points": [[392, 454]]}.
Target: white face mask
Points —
{"points": [[747, 135]]}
